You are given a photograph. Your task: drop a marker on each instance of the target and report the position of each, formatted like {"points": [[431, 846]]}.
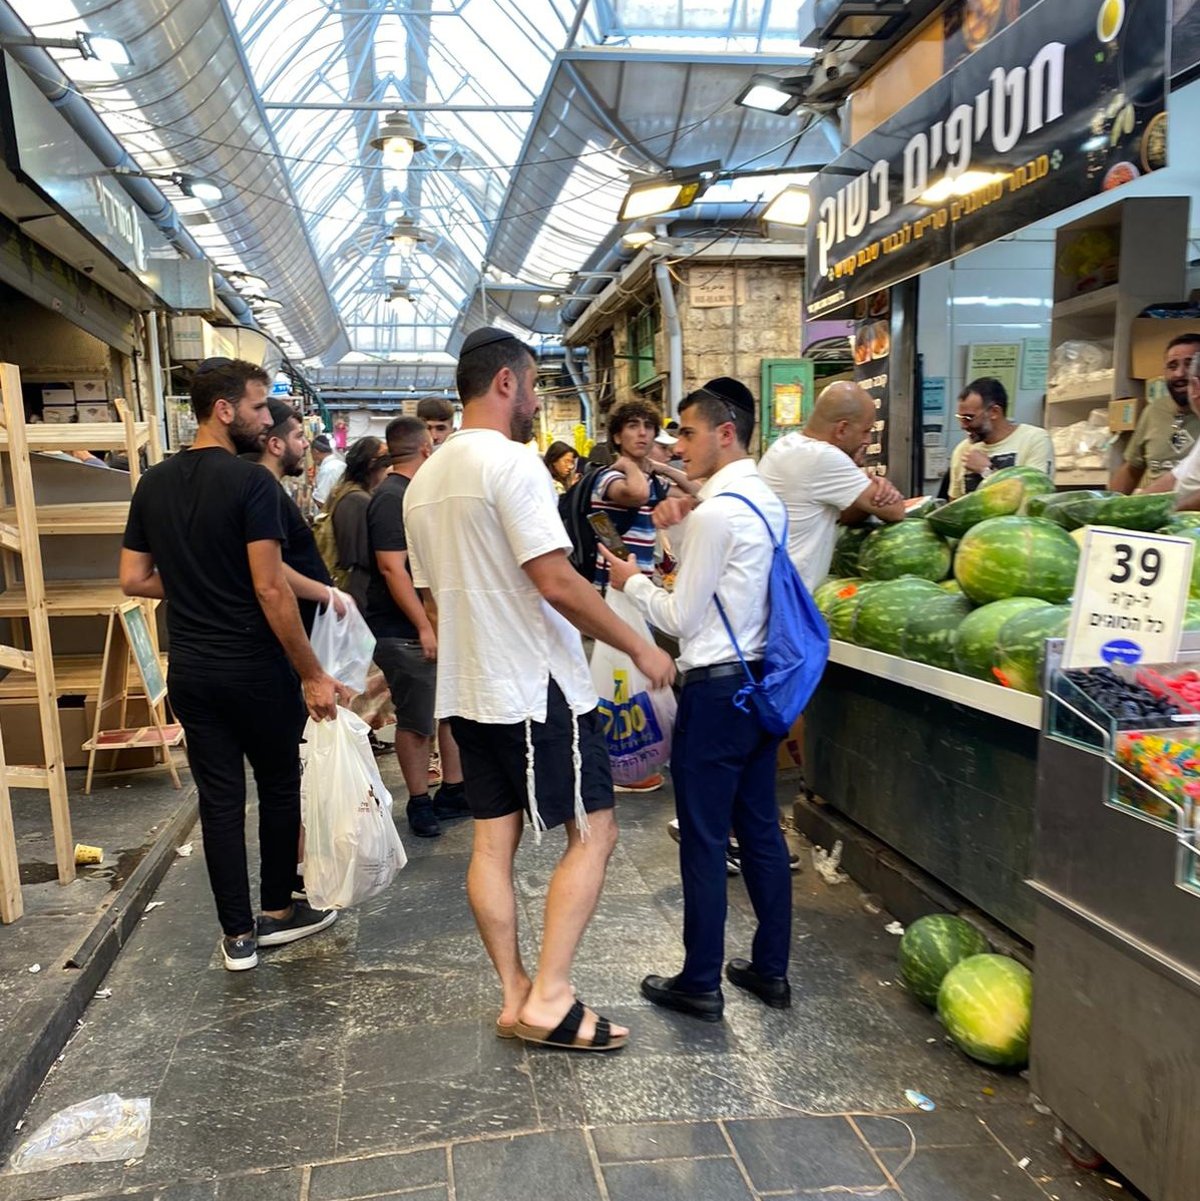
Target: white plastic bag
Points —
{"points": [[637, 720], [344, 645], [351, 847], [102, 1128]]}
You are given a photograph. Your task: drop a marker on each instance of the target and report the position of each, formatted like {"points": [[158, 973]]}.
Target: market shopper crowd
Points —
{"points": [[463, 567]]}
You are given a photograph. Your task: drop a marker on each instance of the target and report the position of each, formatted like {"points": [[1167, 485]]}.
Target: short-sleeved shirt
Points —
{"points": [[301, 555], [349, 517], [385, 531], [640, 536], [195, 514], [1163, 436], [1187, 472], [475, 512], [1026, 446], [328, 474], [817, 482]]}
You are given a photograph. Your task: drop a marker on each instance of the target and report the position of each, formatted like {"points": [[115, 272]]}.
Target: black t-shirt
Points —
{"points": [[300, 554], [385, 531], [195, 514]]}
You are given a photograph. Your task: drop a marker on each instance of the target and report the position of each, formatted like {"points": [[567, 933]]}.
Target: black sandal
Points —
{"points": [[565, 1036]]}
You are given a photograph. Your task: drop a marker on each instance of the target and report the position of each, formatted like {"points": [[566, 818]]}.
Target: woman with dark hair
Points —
{"points": [[560, 461], [367, 462]]}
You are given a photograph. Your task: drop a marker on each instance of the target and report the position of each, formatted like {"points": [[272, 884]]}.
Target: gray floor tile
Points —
{"points": [[676, 1180], [394, 1055], [557, 1095], [376, 1174], [662, 1140], [283, 1184], [955, 1173], [943, 1127], [548, 1165], [804, 1153]]}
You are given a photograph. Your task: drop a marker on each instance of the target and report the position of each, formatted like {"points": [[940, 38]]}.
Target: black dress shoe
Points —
{"points": [[770, 990], [661, 990]]}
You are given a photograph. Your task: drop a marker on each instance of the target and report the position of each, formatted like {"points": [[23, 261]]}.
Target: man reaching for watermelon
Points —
{"points": [[992, 440]]}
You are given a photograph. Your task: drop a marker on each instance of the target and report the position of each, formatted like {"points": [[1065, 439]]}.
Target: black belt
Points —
{"points": [[717, 670]]}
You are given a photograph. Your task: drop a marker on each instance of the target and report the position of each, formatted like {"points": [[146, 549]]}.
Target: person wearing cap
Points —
{"points": [[205, 533], [722, 760], [486, 541], [330, 468]]}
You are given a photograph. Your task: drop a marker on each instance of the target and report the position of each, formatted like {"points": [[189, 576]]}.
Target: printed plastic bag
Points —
{"points": [[637, 720], [351, 847], [344, 645], [102, 1128]]}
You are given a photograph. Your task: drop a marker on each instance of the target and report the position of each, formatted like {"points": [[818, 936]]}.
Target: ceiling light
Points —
{"points": [[404, 234], [771, 95], [398, 141], [791, 206], [399, 294], [86, 45], [635, 239], [548, 298], [860, 20], [652, 194], [962, 185], [195, 187]]}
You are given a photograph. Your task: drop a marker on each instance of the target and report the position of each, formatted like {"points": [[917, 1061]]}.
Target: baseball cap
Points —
{"points": [[321, 442], [665, 439]]}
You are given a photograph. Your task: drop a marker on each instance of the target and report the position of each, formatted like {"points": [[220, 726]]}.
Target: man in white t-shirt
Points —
{"points": [[992, 441], [330, 469], [815, 474], [486, 541]]}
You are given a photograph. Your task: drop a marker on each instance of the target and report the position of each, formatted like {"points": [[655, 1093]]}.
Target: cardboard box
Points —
{"points": [[58, 394], [94, 411], [1148, 340], [90, 391], [58, 414], [1123, 413]]}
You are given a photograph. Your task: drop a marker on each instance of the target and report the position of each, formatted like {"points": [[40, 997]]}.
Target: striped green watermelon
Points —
{"points": [[906, 548], [931, 627], [1179, 523], [883, 612], [847, 547], [1021, 646], [929, 505], [1016, 556], [986, 1004], [1191, 616], [1193, 535], [1035, 482], [953, 520], [844, 609], [829, 590], [952, 586], [975, 638], [931, 946], [1146, 512], [1068, 509]]}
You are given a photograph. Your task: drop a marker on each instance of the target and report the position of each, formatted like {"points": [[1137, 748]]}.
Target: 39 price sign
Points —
{"points": [[1131, 595]]}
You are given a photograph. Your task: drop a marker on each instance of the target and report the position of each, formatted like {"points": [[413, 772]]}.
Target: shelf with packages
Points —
{"points": [[1095, 388]]}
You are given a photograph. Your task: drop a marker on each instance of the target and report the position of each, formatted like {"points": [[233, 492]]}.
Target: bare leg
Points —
{"points": [[494, 904], [451, 763], [570, 902], [412, 753]]}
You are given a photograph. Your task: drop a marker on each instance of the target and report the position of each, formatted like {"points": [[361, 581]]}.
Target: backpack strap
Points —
{"points": [[775, 542]]}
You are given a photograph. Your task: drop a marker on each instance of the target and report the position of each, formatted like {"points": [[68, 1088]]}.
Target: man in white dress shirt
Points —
{"points": [[722, 760]]}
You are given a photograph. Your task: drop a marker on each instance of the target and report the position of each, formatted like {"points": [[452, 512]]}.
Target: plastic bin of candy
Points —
{"points": [[1158, 775]]}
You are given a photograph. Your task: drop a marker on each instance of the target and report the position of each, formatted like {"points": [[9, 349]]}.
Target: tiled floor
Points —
{"points": [[362, 1063]]}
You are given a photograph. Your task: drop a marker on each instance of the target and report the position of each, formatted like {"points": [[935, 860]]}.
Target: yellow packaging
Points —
{"points": [[85, 854]]}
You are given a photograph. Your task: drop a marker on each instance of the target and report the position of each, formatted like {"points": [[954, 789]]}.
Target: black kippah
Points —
{"points": [[731, 391], [488, 335]]}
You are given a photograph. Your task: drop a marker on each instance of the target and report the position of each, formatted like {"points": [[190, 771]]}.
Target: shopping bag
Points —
{"points": [[637, 719], [352, 849], [344, 645]]}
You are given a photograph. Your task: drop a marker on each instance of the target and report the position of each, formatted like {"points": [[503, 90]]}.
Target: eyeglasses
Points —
{"points": [[967, 418]]}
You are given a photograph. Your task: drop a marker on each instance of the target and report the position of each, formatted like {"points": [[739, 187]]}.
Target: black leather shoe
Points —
{"points": [[770, 990], [661, 990]]}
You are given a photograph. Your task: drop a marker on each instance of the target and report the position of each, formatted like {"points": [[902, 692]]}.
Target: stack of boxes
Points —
{"points": [[84, 400]]}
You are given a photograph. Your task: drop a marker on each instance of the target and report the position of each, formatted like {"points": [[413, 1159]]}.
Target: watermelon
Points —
{"points": [[1035, 482], [930, 629], [975, 638], [1180, 523], [986, 1004], [1147, 511], [928, 505], [829, 590], [879, 622], [931, 946], [1068, 509], [1016, 556], [1192, 535], [1191, 616], [906, 548], [843, 610], [954, 519], [951, 586], [846, 548], [1021, 646]]}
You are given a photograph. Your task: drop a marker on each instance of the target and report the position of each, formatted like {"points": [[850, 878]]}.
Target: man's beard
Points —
{"points": [[246, 438], [292, 465], [1180, 398], [520, 426]]}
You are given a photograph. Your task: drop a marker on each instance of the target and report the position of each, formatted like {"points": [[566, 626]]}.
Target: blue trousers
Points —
{"points": [[723, 767]]}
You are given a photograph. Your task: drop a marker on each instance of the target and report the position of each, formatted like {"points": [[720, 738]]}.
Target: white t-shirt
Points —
{"points": [[331, 470], [474, 513], [816, 481], [1187, 471]]}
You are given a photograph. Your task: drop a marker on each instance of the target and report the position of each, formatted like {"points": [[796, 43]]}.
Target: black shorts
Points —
{"points": [[493, 761], [412, 681]]}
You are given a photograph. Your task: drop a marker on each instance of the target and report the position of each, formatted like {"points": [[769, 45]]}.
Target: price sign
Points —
{"points": [[1131, 593]]}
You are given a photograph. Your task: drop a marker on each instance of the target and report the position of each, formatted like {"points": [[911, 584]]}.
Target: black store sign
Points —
{"points": [[1067, 102]]}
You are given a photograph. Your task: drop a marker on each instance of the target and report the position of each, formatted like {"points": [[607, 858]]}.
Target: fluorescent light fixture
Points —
{"points": [[792, 206], [860, 20], [398, 141], [966, 183], [770, 95], [653, 194]]}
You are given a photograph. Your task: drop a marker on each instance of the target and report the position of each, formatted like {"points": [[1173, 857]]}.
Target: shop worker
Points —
{"points": [[330, 469], [722, 760], [204, 533], [1167, 428], [1184, 478], [485, 538], [406, 642], [815, 473], [438, 415], [992, 441]]}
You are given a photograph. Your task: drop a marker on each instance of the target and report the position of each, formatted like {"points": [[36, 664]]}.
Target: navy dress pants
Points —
{"points": [[723, 767]]}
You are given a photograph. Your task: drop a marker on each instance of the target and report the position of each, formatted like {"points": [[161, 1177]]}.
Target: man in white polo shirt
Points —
{"points": [[815, 474], [485, 539]]}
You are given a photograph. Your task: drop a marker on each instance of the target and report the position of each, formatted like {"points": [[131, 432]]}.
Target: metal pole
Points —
{"points": [[393, 106]]}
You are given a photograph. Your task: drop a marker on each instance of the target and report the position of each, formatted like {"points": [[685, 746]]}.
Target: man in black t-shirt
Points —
{"points": [[406, 642], [204, 533]]}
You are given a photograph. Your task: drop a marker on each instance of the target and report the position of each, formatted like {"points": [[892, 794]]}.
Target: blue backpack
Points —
{"points": [[797, 642]]}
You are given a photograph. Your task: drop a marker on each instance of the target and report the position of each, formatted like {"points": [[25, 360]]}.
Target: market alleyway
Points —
{"points": [[362, 1063]]}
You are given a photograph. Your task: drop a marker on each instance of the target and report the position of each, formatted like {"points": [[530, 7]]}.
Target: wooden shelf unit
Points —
{"points": [[101, 517]]}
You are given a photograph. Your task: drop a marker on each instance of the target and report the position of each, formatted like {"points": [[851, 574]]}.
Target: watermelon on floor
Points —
{"points": [[975, 638], [1021, 646], [847, 547], [883, 612], [931, 627], [829, 590], [931, 946], [843, 610], [905, 548], [1016, 556], [986, 1004], [956, 518], [1035, 482]]}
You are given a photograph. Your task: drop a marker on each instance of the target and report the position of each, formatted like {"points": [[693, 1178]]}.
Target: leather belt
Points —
{"points": [[717, 670]]}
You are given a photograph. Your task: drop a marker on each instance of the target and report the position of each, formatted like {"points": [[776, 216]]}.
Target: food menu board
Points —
{"points": [[872, 369]]}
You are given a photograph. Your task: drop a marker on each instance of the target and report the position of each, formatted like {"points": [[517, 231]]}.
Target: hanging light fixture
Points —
{"points": [[652, 194], [397, 141], [791, 206], [405, 234]]}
